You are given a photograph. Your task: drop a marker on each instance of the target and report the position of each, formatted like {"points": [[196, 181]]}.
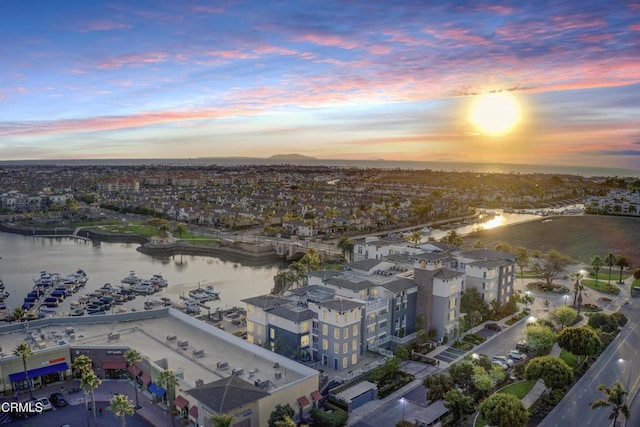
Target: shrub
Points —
{"points": [[337, 418], [603, 322], [620, 318]]}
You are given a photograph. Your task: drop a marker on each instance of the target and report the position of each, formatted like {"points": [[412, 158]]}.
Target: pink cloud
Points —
{"points": [[102, 26], [635, 27], [134, 59], [274, 50], [458, 34], [229, 54], [379, 49], [207, 9], [327, 40], [597, 38]]}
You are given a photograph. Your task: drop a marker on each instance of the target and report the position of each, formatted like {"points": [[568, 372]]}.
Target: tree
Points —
{"points": [[402, 352], [180, 229], [437, 385], [522, 259], [622, 262], [482, 382], [280, 413], [415, 237], [504, 247], [286, 422], [221, 420], [610, 260], [596, 264], [89, 383], [604, 322], [82, 365], [577, 287], [539, 336], [309, 262], [18, 313], [471, 302], [282, 281], [616, 400], [121, 406], [504, 410], [565, 315], [550, 265], [459, 404], [452, 238], [24, 351], [462, 374], [553, 371], [133, 356], [580, 341], [169, 381], [346, 247]]}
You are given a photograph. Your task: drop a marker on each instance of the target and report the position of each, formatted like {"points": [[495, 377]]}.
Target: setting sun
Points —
{"points": [[495, 114]]}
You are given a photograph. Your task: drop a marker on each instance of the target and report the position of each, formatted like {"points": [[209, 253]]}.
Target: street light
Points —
{"points": [[403, 401], [566, 297], [628, 384], [527, 295]]}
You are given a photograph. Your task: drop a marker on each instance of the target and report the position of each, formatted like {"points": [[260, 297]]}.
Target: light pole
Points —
{"points": [[527, 295], [403, 402], [566, 297], [628, 384]]}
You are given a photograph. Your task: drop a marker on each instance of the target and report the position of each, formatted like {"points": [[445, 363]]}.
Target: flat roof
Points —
{"points": [[149, 337]]}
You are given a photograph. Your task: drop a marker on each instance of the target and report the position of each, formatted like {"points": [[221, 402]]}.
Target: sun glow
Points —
{"points": [[495, 114]]}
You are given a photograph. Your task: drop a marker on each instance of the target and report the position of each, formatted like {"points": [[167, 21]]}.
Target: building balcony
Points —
{"points": [[376, 304]]}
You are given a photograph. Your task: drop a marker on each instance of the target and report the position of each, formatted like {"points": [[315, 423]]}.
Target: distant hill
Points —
{"points": [[291, 156]]}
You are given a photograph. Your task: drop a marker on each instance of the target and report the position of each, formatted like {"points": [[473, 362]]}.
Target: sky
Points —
{"points": [[332, 79]]}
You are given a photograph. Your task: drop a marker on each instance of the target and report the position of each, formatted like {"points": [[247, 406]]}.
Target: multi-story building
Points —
{"points": [[491, 272], [339, 327]]}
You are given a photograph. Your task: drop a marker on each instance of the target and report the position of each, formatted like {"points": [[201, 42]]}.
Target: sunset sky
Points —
{"points": [[331, 79]]}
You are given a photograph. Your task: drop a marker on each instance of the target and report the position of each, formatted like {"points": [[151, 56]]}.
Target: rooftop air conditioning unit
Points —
{"points": [[199, 382], [278, 375]]}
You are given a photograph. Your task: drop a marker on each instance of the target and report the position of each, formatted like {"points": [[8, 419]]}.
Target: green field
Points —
{"points": [[519, 390], [569, 358], [581, 237], [601, 286]]}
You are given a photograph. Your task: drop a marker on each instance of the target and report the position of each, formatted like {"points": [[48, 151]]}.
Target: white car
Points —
{"points": [[516, 355], [46, 405], [499, 363], [504, 360]]}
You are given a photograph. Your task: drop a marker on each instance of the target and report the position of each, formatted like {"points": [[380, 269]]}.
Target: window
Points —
{"points": [[324, 315], [345, 348], [345, 363], [304, 327], [249, 326], [249, 308], [354, 345], [354, 359], [336, 333], [272, 333], [345, 333], [325, 344], [304, 341], [345, 317], [325, 330], [336, 348], [337, 317], [354, 332]]}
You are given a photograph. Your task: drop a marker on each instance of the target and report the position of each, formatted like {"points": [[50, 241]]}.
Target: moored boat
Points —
{"points": [[132, 278], [143, 288]]}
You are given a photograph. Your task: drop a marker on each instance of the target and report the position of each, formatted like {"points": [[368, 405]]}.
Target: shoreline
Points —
{"points": [[244, 253]]}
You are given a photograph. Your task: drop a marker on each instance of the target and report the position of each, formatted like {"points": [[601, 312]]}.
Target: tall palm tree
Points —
{"points": [[18, 313], [616, 400], [346, 247], [133, 356], [610, 260], [169, 381], [121, 406], [82, 365], [596, 264], [622, 262], [221, 420], [25, 351], [89, 383], [577, 286]]}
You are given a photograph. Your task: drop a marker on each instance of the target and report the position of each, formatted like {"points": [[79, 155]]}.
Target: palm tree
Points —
{"points": [[89, 383], [616, 400], [121, 406], [25, 351], [414, 237], [346, 246], [577, 286], [221, 420], [596, 263], [610, 260], [82, 364], [18, 313], [522, 260], [169, 381], [133, 356], [622, 262]]}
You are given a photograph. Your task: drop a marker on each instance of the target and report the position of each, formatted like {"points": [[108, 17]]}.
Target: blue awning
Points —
{"points": [[50, 369], [156, 389]]}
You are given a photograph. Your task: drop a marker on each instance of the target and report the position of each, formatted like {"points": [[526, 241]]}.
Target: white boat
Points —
{"points": [[158, 280], [143, 288], [132, 278], [212, 292], [191, 307], [199, 295]]}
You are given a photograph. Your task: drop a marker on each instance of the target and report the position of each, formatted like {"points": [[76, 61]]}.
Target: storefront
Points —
{"points": [[39, 377], [107, 362]]}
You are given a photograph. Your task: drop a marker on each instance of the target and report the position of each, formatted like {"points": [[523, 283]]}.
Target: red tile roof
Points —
{"points": [[303, 401], [193, 411], [316, 395], [180, 402]]}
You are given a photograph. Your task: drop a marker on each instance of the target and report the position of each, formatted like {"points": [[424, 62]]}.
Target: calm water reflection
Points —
{"points": [[24, 257]]}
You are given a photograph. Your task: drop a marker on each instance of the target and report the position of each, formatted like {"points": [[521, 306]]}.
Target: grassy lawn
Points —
{"points": [[132, 228], [569, 358], [601, 286], [581, 237]]}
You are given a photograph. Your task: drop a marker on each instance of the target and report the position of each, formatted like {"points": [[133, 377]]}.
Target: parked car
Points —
{"points": [[516, 355], [493, 326], [523, 347], [503, 359], [499, 363], [46, 405], [58, 400]]}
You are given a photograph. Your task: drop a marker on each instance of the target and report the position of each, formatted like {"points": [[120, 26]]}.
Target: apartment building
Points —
{"points": [[491, 272]]}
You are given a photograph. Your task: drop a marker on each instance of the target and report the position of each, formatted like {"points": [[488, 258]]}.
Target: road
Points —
{"points": [[614, 364]]}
